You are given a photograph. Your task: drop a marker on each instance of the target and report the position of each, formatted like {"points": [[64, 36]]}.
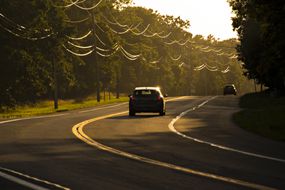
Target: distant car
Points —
{"points": [[147, 99], [230, 89]]}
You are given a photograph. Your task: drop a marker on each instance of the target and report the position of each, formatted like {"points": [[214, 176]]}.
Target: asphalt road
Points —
{"points": [[195, 146]]}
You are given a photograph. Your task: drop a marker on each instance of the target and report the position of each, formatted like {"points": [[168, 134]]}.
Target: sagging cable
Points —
{"points": [[115, 23], [9, 21], [100, 28], [199, 68], [25, 37], [76, 21], [80, 38], [234, 57], [80, 46], [226, 70], [181, 64], [88, 8], [66, 6], [99, 39], [78, 54], [129, 54], [142, 32], [101, 49], [178, 42], [175, 59]]}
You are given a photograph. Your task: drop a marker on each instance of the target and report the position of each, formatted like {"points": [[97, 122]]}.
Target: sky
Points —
{"points": [[206, 16]]}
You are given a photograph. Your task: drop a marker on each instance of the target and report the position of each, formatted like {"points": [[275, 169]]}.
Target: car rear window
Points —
{"points": [[146, 93]]}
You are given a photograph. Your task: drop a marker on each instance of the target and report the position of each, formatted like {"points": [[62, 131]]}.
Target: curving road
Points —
{"points": [[195, 146]]}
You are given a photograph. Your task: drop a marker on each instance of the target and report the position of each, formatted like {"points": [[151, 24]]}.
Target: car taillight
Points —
{"points": [[159, 98]]}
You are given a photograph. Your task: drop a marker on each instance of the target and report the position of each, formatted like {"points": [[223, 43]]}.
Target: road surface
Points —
{"points": [[195, 146]]}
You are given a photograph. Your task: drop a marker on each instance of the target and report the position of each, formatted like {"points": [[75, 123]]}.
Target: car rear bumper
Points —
{"points": [[147, 108]]}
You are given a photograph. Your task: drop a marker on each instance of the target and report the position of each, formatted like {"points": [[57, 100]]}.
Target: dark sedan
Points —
{"points": [[146, 99], [230, 89]]}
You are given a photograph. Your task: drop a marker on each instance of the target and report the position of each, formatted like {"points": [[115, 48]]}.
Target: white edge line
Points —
{"points": [[95, 109], [29, 118], [173, 129], [26, 183], [58, 115], [21, 182], [33, 186], [78, 132]]}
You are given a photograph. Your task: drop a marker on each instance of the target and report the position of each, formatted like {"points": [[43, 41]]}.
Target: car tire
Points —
{"points": [[162, 113], [132, 113]]}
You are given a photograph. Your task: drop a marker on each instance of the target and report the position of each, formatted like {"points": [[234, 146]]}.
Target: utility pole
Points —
{"points": [[190, 73], [118, 83], [55, 85], [206, 84], [95, 57]]}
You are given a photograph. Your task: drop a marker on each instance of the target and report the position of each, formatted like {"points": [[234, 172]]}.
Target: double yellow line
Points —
{"points": [[79, 133]]}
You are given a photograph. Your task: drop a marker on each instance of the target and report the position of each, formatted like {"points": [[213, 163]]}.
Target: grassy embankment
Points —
{"points": [[263, 115], [46, 107]]}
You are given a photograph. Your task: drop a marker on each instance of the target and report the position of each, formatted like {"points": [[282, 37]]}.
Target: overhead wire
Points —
{"points": [[76, 21], [181, 64], [81, 37], [101, 49], [121, 32], [129, 54], [115, 23], [68, 5], [99, 39], [175, 59], [142, 32], [178, 42], [88, 8], [234, 57], [104, 55], [21, 30], [78, 54], [26, 37], [226, 70], [211, 68], [156, 61], [100, 28], [12, 23], [199, 68], [80, 46], [134, 30]]}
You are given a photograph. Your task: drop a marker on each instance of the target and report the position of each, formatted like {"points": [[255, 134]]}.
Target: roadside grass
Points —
{"points": [[263, 115], [46, 107]]}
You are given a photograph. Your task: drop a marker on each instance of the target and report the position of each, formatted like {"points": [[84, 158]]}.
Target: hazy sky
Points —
{"points": [[206, 16]]}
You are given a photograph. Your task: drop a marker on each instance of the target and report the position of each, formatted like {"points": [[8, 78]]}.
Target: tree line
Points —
{"points": [[260, 25], [76, 48]]}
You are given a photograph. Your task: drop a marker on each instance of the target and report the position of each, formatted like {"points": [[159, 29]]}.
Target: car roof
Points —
{"points": [[232, 85], [147, 88]]}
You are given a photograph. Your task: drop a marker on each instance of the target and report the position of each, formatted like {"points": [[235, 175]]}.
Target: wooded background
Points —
{"points": [[80, 47]]}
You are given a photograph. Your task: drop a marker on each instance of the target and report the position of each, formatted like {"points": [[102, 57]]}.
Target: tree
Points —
{"points": [[260, 25]]}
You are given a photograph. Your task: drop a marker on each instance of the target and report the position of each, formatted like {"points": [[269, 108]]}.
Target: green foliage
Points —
{"points": [[263, 115], [30, 68], [46, 107], [260, 25], [27, 61]]}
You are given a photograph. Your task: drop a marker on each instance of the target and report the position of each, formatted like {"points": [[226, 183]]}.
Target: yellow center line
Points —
{"points": [[79, 133]]}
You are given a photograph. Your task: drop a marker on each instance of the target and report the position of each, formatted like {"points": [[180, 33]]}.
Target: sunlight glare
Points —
{"points": [[206, 16]]}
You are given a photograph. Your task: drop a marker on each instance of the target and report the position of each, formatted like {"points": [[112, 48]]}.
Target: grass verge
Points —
{"points": [[263, 115], [46, 107]]}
